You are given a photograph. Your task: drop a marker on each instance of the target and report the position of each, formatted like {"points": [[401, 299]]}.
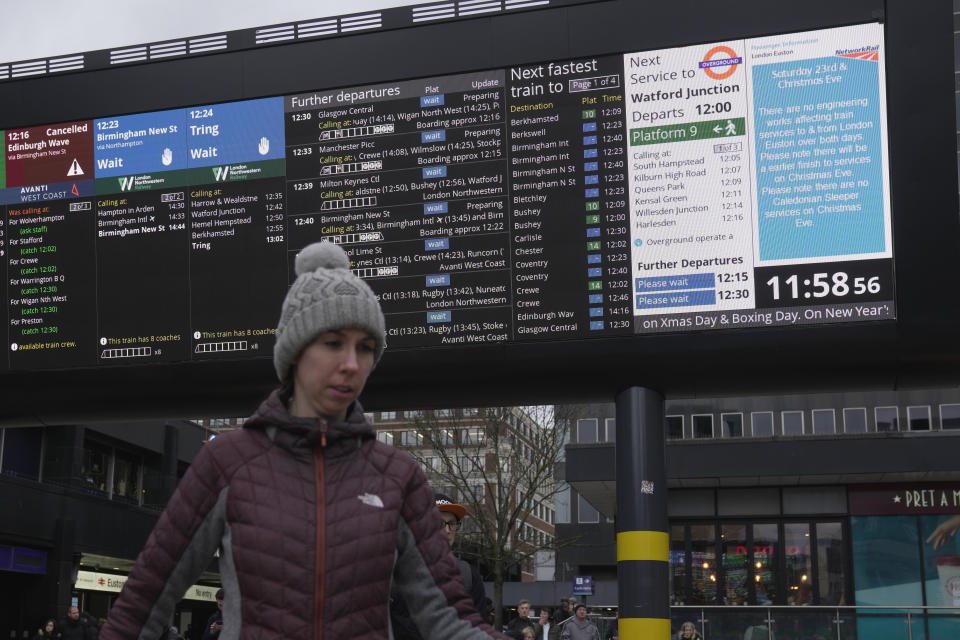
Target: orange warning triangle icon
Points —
{"points": [[74, 190]]}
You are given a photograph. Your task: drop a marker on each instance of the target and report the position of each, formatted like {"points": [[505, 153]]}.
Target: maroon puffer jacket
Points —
{"points": [[257, 494]]}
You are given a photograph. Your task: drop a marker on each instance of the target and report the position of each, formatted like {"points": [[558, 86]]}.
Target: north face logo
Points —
{"points": [[371, 500]]}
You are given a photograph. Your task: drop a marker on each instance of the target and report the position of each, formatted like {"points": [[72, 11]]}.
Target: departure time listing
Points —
{"points": [[722, 185]]}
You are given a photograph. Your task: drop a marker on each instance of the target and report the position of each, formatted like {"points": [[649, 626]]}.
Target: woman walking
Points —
{"points": [[313, 517]]}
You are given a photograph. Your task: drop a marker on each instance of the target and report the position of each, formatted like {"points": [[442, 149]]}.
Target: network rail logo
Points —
{"points": [[868, 52]]}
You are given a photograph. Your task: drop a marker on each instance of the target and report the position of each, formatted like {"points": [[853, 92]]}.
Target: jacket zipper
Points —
{"points": [[320, 552]]}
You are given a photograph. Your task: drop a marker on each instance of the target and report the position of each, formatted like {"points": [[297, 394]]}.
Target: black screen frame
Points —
{"points": [[919, 348]]}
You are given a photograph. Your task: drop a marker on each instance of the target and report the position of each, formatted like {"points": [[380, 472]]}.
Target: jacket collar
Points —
{"points": [[292, 432]]}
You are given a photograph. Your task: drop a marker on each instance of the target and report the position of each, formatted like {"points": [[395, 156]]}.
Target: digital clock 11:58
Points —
{"points": [[854, 281]]}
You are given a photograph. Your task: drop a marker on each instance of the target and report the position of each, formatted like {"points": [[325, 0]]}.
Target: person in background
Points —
{"points": [[564, 611], [528, 634], [614, 631], [516, 626], [215, 621], [580, 628], [688, 631], [73, 628], [452, 515], [314, 518], [93, 629], [543, 626], [48, 631]]}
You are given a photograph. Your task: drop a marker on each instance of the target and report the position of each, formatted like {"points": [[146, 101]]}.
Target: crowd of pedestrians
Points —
{"points": [[568, 622], [74, 626]]}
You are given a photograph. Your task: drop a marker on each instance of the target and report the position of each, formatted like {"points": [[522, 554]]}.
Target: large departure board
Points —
{"points": [[723, 185]]}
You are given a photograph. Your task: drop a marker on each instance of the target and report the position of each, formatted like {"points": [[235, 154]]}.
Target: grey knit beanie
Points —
{"points": [[326, 295]]}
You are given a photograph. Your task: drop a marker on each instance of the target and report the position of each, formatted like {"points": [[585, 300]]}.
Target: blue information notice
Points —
{"points": [[819, 158]]}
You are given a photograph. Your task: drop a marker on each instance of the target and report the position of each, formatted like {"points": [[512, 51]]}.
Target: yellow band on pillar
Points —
{"points": [[643, 545], [644, 629]]}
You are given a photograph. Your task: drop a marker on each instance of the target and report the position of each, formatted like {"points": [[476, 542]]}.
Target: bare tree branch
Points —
{"points": [[500, 462]]}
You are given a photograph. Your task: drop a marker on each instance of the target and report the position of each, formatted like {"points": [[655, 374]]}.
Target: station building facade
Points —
{"points": [[834, 500], [78, 503]]}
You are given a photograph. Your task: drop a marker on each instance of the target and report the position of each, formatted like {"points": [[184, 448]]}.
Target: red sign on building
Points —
{"points": [[909, 499]]}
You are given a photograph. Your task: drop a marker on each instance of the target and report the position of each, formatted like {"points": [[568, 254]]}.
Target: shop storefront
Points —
{"points": [[96, 592], [906, 553]]}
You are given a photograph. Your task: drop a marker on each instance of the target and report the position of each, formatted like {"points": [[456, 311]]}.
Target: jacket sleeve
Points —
{"points": [[177, 551], [426, 573]]}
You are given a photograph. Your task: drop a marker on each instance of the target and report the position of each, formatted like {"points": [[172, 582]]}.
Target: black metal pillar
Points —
{"points": [[643, 538]]}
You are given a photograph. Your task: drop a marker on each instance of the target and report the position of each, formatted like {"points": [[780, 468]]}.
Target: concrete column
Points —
{"points": [[643, 538]]}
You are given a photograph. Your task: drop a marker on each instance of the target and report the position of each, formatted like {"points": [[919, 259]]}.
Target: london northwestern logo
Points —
{"points": [[221, 173], [127, 182]]}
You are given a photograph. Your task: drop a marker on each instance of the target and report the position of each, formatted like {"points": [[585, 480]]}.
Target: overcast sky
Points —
{"points": [[43, 28]]}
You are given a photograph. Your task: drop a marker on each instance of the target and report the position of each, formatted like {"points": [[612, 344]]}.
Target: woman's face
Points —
{"points": [[49, 626], [687, 630], [331, 372]]}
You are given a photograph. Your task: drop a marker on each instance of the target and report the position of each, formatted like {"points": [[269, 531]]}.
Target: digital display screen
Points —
{"points": [[724, 185]]}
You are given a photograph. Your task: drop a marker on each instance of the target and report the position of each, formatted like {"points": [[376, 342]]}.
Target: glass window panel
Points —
{"points": [[831, 563], [855, 420], [703, 426], [562, 504], [887, 419], [950, 416], [611, 425], [126, 472], [21, 452], [919, 418], [678, 565], [736, 588], [886, 560], [674, 427], [93, 469], [731, 425], [388, 415], [765, 562], [799, 565], [824, 421], [586, 512], [473, 435], [792, 423], [940, 560], [703, 567], [411, 438], [385, 437], [762, 423], [587, 430]]}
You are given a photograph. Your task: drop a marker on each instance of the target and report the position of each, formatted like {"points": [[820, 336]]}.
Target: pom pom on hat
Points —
{"points": [[325, 296]]}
